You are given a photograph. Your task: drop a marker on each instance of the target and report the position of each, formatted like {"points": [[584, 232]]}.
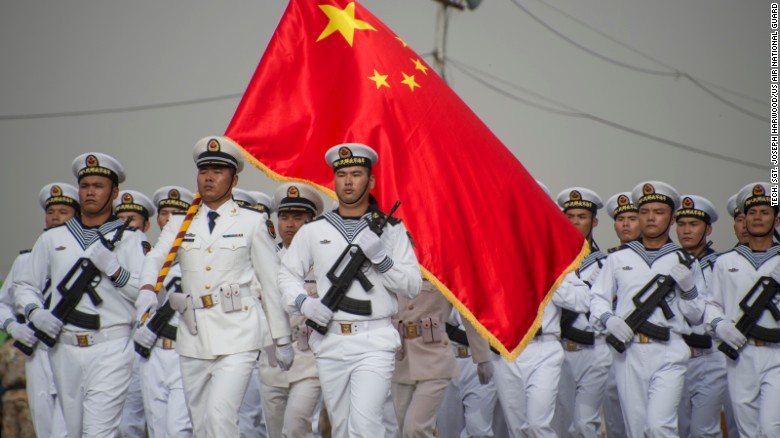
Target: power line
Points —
{"points": [[675, 74], [121, 109], [645, 55], [474, 73]]}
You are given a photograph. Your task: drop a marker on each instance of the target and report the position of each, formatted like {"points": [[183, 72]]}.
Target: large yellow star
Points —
{"points": [[343, 21], [381, 80], [418, 65], [409, 80]]}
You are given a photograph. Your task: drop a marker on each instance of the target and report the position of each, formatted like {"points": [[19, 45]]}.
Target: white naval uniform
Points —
{"points": [[160, 377], [45, 406], [704, 393], [355, 369], [754, 378], [91, 380], [650, 376], [217, 362], [467, 408], [527, 387], [584, 373]]}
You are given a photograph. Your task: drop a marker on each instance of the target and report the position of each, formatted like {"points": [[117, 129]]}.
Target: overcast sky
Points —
{"points": [[76, 56]]}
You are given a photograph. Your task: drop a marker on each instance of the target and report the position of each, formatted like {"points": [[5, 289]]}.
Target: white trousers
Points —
{"points": [[527, 388], [650, 378], [92, 383], [754, 387], [163, 395], [581, 391], [703, 396], [251, 420], [45, 406], [133, 423], [467, 408], [214, 389], [355, 373], [613, 414]]}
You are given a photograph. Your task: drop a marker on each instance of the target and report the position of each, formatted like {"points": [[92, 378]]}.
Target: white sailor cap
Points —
{"points": [[697, 207], [620, 203], [297, 197], [59, 193], [137, 202], [655, 191], [173, 196], [544, 188], [351, 154], [731, 206], [754, 194], [243, 198], [262, 202], [218, 151], [96, 163], [579, 197]]}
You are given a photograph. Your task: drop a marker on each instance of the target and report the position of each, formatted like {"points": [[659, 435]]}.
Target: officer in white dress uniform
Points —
{"points": [[91, 361], [137, 208], [60, 203], [160, 374], [587, 358], [754, 376], [704, 393], [740, 231], [356, 357], [528, 387], [651, 372], [224, 249]]}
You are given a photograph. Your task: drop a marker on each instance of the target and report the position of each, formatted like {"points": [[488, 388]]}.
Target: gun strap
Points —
{"points": [[456, 334], [168, 331]]}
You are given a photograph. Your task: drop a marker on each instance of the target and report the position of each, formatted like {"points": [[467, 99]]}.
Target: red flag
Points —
{"points": [[486, 235]]}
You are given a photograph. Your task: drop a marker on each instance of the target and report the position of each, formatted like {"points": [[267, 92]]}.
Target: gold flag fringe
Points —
{"points": [[494, 342]]}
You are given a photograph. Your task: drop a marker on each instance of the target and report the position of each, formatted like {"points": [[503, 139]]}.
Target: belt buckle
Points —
{"points": [[346, 328], [167, 344], [644, 339], [570, 345], [207, 301], [696, 352], [411, 330], [83, 340], [463, 351], [759, 343]]}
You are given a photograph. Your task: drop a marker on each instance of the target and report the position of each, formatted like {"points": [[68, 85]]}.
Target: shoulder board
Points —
{"points": [[252, 209], [178, 213], [25, 251]]}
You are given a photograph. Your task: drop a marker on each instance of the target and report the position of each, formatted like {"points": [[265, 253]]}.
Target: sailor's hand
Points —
{"points": [[145, 303], [372, 246], [145, 337], [104, 259], [728, 333], [22, 333], [313, 309], [619, 329], [682, 276], [46, 322]]}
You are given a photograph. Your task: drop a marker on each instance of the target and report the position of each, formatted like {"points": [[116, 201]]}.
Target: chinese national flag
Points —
{"points": [[486, 235]]}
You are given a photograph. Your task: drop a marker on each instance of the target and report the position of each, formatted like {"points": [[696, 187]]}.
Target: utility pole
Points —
{"points": [[442, 22]]}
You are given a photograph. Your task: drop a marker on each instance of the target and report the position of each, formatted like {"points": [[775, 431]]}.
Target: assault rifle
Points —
{"points": [[159, 324], [336, 297], [752, 312]]}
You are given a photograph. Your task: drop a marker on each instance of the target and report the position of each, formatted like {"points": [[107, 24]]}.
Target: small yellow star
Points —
{"points": [[381, 80], [409, 80], [343, 21], [402, 41], [418, 65]]}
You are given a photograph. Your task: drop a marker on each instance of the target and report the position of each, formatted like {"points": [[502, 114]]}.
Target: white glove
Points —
{"points": [[776, 273], [103, 258], [682, 276], [313, 309], [145, 337], [22, 333], [285, 356], [619, 329], [728, 333], [372, 246], [44, 321], [485, 372], [146, 300]]}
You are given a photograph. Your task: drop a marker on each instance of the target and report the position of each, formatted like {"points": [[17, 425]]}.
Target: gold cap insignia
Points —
{"points": [[344, 152], [213, 145], [56, 191], [92, 161], [623, 200], [758, 190], [575, 195], [293, 192], [648, 189], [127, 198], [687, 202], [174, 194]]}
